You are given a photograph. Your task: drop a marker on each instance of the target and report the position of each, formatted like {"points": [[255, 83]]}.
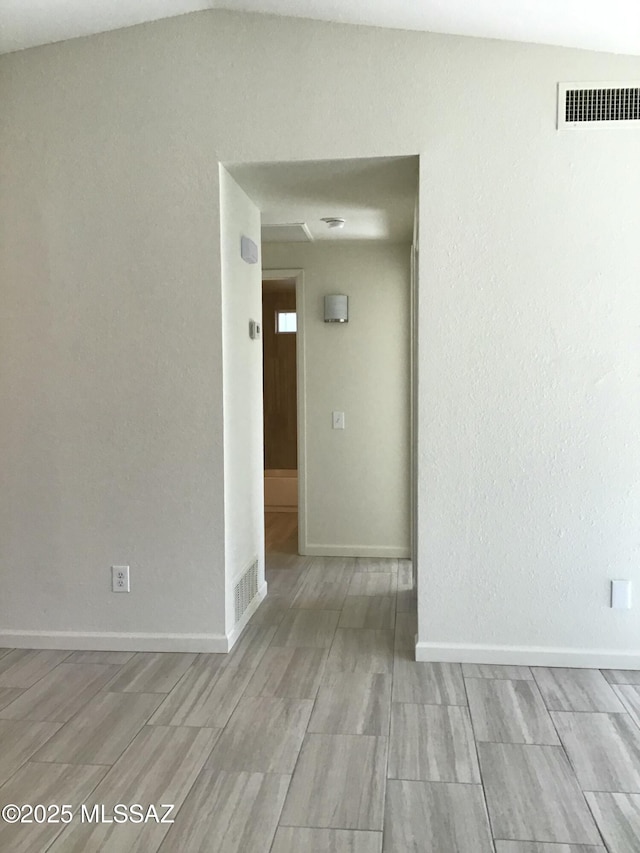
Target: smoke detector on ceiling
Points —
{"points": [[334, 221]]}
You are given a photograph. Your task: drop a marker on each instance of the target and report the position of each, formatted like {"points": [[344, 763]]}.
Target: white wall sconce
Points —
{"points": [[336, 308]]}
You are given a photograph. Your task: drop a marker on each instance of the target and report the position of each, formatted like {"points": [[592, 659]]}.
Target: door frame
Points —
{"points": [[301, 409]]}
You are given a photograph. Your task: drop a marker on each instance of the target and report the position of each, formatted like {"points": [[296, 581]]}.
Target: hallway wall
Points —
{"points": [[356, 479], [242, 388]]}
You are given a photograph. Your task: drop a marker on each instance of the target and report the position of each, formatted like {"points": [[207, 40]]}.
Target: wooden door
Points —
{"points": [[280, 386]]}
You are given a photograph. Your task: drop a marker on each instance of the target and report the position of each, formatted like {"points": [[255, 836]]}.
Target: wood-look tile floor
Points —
{"points": [[319, 733]]}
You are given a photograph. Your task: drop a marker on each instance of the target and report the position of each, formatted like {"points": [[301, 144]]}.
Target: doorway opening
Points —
{"points": [[336, 232], [280, 330]]}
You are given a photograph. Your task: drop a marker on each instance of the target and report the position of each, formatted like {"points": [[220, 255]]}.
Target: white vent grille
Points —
{"points": [[598, 105], [295, 232], [246, 590]]}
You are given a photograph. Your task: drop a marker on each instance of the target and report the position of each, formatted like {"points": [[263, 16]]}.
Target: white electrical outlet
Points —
{"points": [[120, 579]]}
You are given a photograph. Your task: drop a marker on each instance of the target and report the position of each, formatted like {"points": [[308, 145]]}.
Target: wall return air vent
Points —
{"points": [[246, 590], [598, 105]]}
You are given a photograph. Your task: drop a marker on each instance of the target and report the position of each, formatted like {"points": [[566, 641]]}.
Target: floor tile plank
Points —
{"points": [[101, 731], [509, 712], [117, 658], [160, 766], [332, 569], [532, 794], [376, 564], [575, 690], [428, 683], [284, 580], [618, 819], [151, 672], [307, 629], [405, 576], [294, 839], [328, 788], [483, 670], [204, 696], [431, 816], [322, 590], [406, 630], [622, 676], [288, 673], [250, 648], [368, 611], [356, 703], [271, 611], [406, 601], [19, 740], [264, 735], [61, 693], [46, 784], [603, 748], [373, 583], [24, 667], [361, 650], [629, 695], [432, 743], [542, 847], [229, 813], [9, 695]]}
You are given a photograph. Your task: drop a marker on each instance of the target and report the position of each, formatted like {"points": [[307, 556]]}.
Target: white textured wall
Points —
{"points": [[357, 479], [110, 367], [242, 380], [110, 360], [529, 475]]}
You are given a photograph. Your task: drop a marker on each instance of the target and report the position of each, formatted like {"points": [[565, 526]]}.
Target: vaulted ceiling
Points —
{"points": [[605, 25]]}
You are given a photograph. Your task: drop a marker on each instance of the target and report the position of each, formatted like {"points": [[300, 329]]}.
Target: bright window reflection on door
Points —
{"points": [[286, 321]]}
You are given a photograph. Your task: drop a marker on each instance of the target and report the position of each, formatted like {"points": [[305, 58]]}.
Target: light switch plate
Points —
{"points": [[621, 595], [338, 420]]}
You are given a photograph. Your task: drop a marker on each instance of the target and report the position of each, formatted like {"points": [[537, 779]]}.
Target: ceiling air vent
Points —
{"points": [[295, 232], [598, 105]]}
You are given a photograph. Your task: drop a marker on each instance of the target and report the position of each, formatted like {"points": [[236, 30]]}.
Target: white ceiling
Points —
{"points": [[375, 196], [608, 25]]}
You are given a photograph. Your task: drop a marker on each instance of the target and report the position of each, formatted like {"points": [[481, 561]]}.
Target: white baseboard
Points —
{"points": [[116, 641], [108, 641], [389, 552], [251, 609], [527, 656]]}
